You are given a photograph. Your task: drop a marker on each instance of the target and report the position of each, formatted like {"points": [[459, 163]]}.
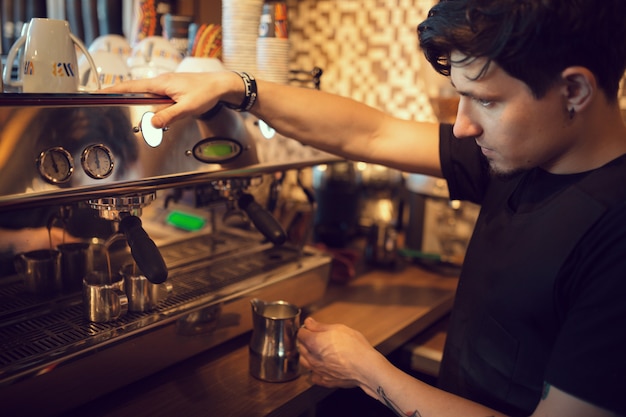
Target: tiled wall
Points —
{"points": [[367, 49]]}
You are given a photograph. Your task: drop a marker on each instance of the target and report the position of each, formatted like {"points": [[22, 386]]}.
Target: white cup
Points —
{"points": [[49, 59], [116, 44], [152, 56], [200, 64], [112, 69]]}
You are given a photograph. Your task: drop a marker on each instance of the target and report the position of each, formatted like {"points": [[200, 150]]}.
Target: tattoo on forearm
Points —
{"points": [[395, 408]]}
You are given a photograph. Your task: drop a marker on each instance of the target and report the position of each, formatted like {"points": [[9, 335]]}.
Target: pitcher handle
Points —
{"points": [[165, 289], [120, 307], [92, 64], [8, 67]]}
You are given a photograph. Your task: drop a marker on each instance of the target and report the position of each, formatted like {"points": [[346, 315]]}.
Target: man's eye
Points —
{"points": [[484, 102]]}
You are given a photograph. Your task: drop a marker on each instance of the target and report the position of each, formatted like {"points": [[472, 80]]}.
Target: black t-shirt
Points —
{"points": [[542, 294]]}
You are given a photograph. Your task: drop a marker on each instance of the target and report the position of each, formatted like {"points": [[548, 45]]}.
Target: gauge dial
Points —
{"points": [[97, 161], [55, 165]]}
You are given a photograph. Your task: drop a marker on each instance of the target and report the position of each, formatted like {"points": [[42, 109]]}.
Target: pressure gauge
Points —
{"points": [[55, 165], [97, 161]]}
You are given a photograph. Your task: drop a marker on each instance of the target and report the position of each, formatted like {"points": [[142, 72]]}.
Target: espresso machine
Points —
{"points": [[182, 204]]}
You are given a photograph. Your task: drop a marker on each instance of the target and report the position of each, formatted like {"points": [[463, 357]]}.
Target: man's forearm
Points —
{"points": [[348, 128]]}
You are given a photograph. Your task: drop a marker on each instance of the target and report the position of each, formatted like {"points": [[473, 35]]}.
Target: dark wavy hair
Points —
{"points": [[532, 40]]}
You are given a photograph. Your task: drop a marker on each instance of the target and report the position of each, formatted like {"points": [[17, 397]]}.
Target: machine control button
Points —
{"points": [[97, 161], [152, 135], [55, 165], [267, 131]]}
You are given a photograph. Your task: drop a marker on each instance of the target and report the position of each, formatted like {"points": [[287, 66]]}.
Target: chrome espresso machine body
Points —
{"points": [[178, 204]]}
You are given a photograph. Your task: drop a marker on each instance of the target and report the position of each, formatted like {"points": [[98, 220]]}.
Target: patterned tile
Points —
{"points": [[367, 49]]}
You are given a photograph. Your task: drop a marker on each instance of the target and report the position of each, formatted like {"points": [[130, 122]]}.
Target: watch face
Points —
{"points": [[97, 161], [55, 165]]}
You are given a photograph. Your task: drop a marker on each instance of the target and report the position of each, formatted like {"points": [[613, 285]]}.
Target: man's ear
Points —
{"points": [[580, 87]]}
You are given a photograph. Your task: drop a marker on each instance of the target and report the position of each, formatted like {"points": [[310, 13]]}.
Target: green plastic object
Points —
{"points": [[185, 221]]}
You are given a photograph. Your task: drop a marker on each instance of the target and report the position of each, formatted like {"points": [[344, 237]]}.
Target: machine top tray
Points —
{"points": [[79, 99]]}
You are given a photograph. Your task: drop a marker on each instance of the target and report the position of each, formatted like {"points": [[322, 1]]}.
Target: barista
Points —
{"points": [[539, 143]]}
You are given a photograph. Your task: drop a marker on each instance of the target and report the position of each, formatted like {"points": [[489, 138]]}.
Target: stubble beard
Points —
{"points": [[500, 173]]}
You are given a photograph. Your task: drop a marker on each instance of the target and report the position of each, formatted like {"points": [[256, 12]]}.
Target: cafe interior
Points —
{"points": [[136, 264]]}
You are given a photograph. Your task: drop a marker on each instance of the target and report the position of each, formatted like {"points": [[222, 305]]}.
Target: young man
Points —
{"points": [[539, 142]]}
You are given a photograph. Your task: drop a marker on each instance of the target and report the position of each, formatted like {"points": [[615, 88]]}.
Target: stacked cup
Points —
{"points": [[110, 53], [272, 45], [153, 56], [240, 22]]}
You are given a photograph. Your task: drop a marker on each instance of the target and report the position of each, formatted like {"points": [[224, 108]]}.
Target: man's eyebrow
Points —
{"points": [[462, 93]]}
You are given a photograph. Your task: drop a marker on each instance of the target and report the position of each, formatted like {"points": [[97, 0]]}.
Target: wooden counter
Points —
{"points": [[388, 307]]}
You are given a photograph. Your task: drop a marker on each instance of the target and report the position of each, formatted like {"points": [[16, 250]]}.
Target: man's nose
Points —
{"points": [[465, 126]]}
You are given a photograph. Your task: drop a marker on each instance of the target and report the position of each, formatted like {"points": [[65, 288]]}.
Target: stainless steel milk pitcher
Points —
{"points": [[273, 352]]}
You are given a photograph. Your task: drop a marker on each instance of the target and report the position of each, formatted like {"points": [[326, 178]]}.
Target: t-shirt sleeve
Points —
{"points": [[463, 166]]}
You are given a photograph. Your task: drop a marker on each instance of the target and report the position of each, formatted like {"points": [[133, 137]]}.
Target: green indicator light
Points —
{"points": [[185, 221], [217, 150]]}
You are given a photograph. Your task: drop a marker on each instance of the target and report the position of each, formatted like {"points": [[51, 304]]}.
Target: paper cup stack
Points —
{"points": [[272, 45], [240, 22]]}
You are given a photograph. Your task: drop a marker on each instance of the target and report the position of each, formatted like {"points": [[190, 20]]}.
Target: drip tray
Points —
{"points": [[213, 278]]}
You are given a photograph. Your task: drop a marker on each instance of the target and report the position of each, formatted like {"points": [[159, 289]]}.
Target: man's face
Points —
{"points": [[514, 130]]}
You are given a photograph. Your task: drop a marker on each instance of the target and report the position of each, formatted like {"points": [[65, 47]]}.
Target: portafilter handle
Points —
{"points": [[143, 249], [262, 219]]}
